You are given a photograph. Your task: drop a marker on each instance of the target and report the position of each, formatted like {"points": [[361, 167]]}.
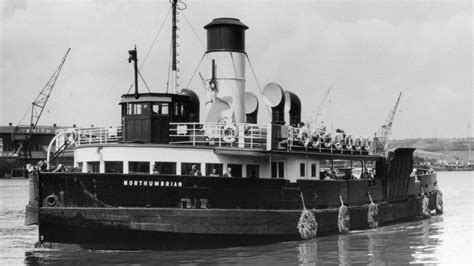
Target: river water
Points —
{"points": [[446, 239]]}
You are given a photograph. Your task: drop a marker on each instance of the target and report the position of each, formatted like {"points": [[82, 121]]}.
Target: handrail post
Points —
{"points": [[194, 133]]}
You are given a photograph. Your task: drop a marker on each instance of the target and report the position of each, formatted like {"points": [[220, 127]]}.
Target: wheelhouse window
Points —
{"points": [[139, 167], [93, 167], [160, 108], [113, 167], [253, 171], [214, 169], [165, 168], [177, 109], [186, 168], [313, 170], [236, 169]]}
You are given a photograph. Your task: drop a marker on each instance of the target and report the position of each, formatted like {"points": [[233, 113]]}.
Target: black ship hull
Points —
{"points": [[163, 228]]}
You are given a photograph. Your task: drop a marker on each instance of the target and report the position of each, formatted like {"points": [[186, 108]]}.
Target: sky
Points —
{"points": [[369, 51]]}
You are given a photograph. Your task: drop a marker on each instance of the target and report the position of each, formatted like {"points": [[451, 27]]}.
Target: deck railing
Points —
{"points": [[98, 135], [218, 134], [209, 134]]}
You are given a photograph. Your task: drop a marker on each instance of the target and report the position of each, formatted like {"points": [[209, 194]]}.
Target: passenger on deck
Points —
{"points": [[365, 174], [228, 173], [60, 168], [155, 170], [328, 175], [413, 174], [333, 173], [253, 174], [214, 172], [194, 170]]}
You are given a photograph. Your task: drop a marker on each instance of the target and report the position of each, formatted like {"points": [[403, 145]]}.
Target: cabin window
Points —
{"points": [[281, 170], [137, 109], [313, 170], [214, 167], [130, 109], [145, 109], [113, 167], [139, 167], [160, 108], [186, 168], [236, 169], [164, 168], [253, 171], [274, 169], [177, 109], [93, 167], [302, 169], [278, 169]]}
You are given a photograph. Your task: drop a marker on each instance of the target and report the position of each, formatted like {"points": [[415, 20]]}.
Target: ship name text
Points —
{"points": [[151, 183]]}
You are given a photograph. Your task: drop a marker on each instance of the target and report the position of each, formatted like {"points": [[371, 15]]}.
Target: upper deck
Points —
{"points": [[237, 138]]}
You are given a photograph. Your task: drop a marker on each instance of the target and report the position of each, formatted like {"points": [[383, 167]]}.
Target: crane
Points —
{"points": [[22, 135], [386, 129], [317, 114]]}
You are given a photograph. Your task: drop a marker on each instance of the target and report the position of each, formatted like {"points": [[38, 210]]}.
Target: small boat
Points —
{"points": [[171, 177]]}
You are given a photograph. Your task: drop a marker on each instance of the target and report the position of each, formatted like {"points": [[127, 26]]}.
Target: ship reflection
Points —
{"points": [[413, 242]]}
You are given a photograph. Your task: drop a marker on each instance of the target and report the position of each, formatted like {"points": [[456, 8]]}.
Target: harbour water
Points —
{"points": [[446, 239]]}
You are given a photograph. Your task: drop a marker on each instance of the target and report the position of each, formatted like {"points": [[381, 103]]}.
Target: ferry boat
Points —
{"points": [[172, 177]]}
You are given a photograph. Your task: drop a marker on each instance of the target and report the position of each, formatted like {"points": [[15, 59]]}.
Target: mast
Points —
{"points": [[174, 62]]}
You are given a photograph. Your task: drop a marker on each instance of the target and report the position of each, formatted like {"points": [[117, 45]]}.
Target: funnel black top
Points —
{"points": [[226, 34]]}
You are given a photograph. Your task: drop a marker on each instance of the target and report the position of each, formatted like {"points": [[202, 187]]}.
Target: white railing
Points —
{"points": [[98, 135], [219, 134]]}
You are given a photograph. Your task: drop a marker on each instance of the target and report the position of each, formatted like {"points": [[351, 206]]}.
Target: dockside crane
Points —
{"points": [[317, 114], [22, 135], [386, 129]]}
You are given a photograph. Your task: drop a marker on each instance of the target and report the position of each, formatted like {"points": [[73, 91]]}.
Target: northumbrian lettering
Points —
{"points": [[150, 183]]}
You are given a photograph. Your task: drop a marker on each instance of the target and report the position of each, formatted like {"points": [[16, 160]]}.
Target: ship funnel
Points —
{"points": [[226, 34], [251, 108], [293, 103], [273, 96], [226, 46]]}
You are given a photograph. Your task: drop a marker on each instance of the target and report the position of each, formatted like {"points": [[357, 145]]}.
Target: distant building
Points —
{"points": [[40, 139]]}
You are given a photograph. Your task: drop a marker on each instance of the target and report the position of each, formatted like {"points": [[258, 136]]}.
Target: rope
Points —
{"points": [[425, 210], [343, 218], [195, 70], [146, 85], [439, 201], [307, 225], [192, 28], [258, 84], [169, 68], [23, 117], [372, 213], [151, 46]]}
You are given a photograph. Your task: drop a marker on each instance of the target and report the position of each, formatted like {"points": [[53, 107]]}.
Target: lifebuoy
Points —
{"points": [[358, 143], [303, 137], [229, 133], [349, 142], [366, 144], [316, 139], [328, 140], [338, 141]]}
